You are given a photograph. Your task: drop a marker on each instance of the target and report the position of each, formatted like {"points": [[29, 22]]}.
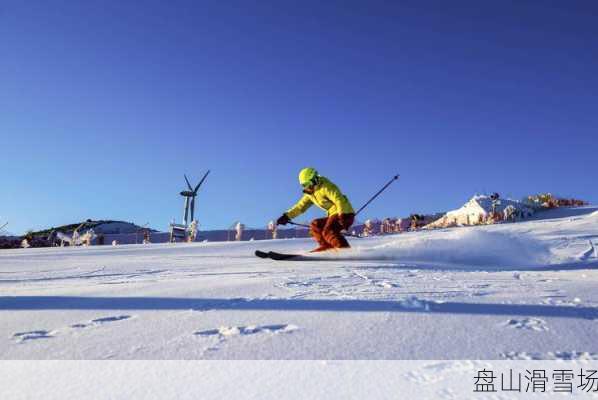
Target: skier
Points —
{"points": [[322, 192]]}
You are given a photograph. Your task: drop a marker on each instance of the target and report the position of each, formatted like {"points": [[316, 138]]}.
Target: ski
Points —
{"points": [[281, 256], [278, 256], [328, 256], [272, 255], [262, 254]]}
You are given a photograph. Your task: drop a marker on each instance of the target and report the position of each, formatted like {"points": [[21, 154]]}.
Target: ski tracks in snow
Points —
{"points": [[97, 275], [347, 283], [373, 282]]}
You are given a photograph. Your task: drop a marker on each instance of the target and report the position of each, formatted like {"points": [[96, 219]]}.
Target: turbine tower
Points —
{"points": [[189, 196]]}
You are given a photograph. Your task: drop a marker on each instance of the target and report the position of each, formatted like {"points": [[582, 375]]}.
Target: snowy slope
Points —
{"points": [[524, 290]]}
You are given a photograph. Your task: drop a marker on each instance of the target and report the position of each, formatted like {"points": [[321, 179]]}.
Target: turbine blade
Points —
{"points": [[200, 182], [188, 184], [192, 209]]}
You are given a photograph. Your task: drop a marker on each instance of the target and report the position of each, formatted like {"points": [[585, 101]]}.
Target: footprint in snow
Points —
{"points": [[44, 334], [247, 330], [32, 335], [101, 321], [533, 324], [386, 284], [110, 319]]}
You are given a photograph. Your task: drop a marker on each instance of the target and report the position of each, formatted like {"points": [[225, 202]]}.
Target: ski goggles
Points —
{"points": [[310, 183]]}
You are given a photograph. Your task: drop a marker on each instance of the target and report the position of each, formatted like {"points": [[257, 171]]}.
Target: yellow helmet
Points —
{"points": [[308, 177]]}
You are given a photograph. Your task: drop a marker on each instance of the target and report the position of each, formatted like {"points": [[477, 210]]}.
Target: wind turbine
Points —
{"points": [[189, 196]]}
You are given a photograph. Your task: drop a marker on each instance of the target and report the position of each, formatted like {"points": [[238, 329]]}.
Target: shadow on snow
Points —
{"points": [[23, 303]]}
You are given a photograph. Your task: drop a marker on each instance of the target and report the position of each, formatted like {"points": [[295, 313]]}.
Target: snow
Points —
{"points": [[523, 290], [258, 379]]}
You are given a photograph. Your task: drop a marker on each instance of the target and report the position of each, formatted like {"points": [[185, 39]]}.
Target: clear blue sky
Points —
{"points": [[105, 104]]}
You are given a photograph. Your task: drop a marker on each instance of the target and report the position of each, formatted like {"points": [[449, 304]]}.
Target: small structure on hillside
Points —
{"points": [[178, 232]]}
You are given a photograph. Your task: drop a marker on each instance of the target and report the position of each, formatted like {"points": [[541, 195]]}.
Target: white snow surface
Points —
{"points": [[522, 290]]}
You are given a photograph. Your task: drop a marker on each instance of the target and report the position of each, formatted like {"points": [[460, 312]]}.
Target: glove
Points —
{"points": [[283, 220]]}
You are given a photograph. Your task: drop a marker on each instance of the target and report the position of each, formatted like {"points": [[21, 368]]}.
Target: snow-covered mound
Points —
{"points": [[115, 227], [528, 288], [479, 208]]}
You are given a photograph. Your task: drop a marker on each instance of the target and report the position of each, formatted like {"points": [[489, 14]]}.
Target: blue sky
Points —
{"points": [[105, 104]]}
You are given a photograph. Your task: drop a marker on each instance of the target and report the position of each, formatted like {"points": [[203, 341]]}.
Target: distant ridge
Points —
{"points": [[99, 226]]}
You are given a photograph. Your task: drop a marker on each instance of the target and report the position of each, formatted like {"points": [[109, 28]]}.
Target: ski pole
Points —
{"points": [[296, 224], [307, 226], [394, 178]]}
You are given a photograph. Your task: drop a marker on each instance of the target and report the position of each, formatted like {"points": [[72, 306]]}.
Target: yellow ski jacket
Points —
{"points": [[327, 196]]}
